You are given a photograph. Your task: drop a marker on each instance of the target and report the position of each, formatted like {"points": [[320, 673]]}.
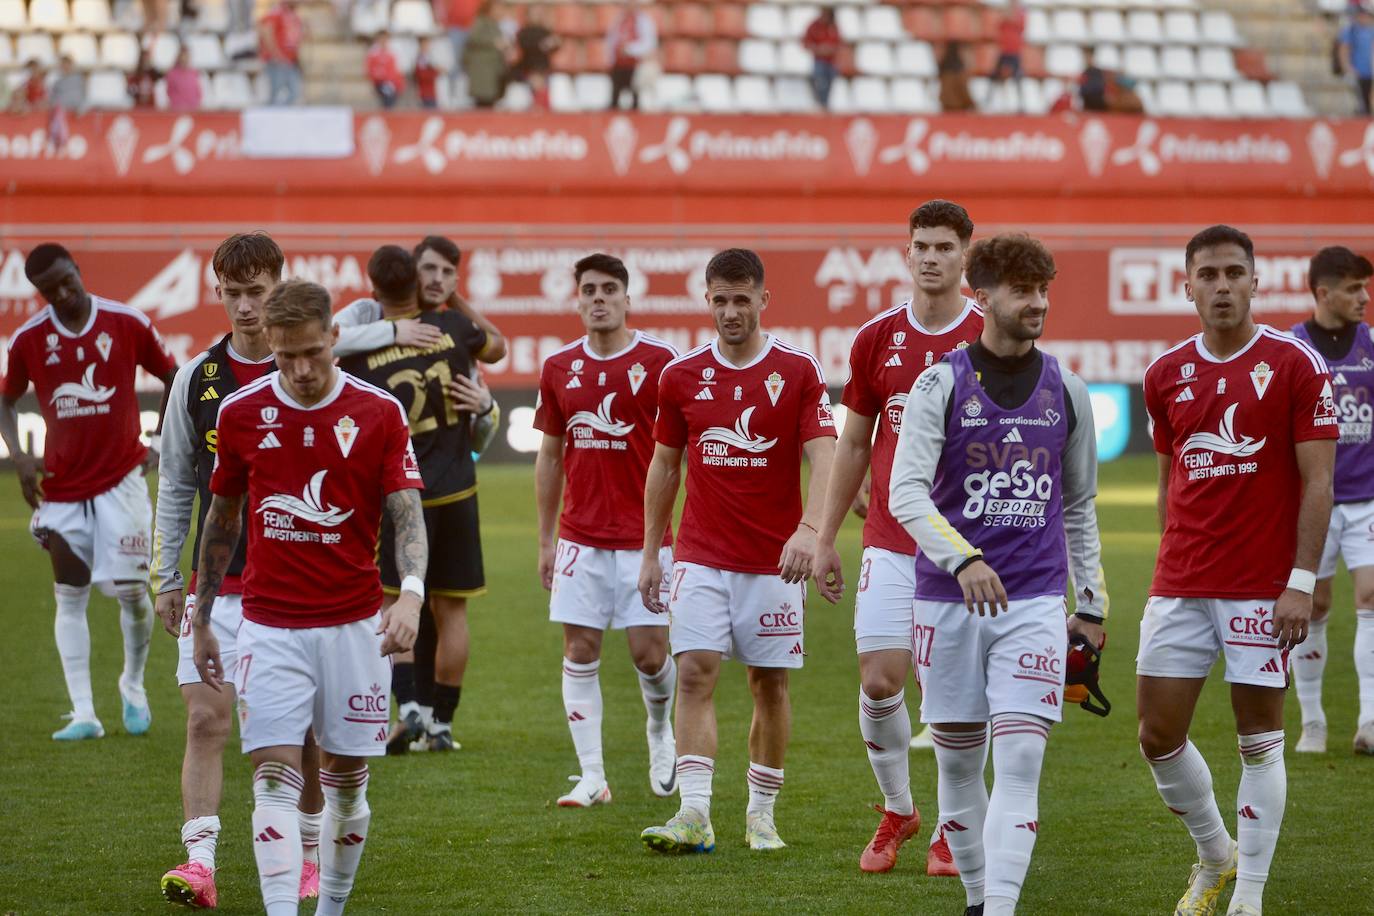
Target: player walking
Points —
{"points": [[994, 477], [90, 501], [745, 407], [597, 400], [316, 453], [1338, 278], [1245, 426], [889, 352]]}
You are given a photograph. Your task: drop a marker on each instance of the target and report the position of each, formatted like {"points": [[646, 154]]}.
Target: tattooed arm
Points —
{"points": [[401, 620], [223, 524]]}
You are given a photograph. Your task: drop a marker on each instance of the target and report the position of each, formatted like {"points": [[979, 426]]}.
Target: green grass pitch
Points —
{"points": [[90, 828]]}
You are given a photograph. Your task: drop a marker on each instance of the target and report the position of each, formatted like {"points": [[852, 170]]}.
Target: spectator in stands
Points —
{"points": [[1011, 40], [1357, 55], [535, 44], [383, 70], [1092, 86], [32, 94], [457, 20], [69, 89], [954, 94], [154, 16], [631, 39], [241, 15], [484, 57], [1122, 97], [822, 39], [426, 76], [183, 84], [280, 35], [142, 81]]}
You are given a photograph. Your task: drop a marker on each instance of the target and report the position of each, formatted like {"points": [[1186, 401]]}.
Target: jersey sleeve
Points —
{"points": [[670, 427], [17, 375], [1314, 413], [859, 395], [152, 352], [400, 469], [1155, 408], [176, 484], [816, 420], [230, 476], [548, 413]]}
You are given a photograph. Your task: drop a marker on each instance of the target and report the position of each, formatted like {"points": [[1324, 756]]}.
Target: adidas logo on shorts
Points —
{"points": [[1272, 666], [1050, 699]]}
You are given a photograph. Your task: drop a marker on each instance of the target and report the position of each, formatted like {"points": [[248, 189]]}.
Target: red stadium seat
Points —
{"points": [[1251, 64], [730, 21], [985, 55], [722, 56], [570, 57], [572, 20], [963, 24], [1033, 61], [844, 60], [692, 20], [605, 17], [595, 50], [682, 55], [923, 23]]}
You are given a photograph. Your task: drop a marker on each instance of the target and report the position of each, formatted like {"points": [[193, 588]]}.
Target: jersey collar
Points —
{"points": [[238, 358], [634, 342], [758, 357], [958, 319], [328, 399], [1206, 354], [90, 320]]}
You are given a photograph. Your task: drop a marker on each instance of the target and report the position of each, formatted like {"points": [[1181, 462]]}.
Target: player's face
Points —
{"points": [[305, 358], [243, 301], [935, 257], [438, 279], [1347, 298], [1018, 308], [61, 287], [735, 307], [601, 301], [1220, 284]]}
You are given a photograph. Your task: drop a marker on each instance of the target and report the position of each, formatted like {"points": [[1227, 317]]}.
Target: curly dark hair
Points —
{"points": [[736, 265], [244, 255], [1213, 236], [1013, 257], [1337, 263], [945, 213]]}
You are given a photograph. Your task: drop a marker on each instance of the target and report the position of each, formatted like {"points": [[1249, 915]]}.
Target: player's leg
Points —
{"points": [[455, 575], [582, 704], [209, 717], [123, 519], [345, 828], [1364, 648], [1308, 661], [411, 719], [72, 591], [136, 624], [310, 813], [450, 663], [1263, 790], [277, 786], [426, 645], [647, 634], [769, 732]]}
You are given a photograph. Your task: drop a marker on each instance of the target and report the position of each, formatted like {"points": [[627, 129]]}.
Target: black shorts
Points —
{"points": [[455, 551]]}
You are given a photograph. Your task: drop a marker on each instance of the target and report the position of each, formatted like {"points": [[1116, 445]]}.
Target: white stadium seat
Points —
{"points": [[1140, 62], [6, 52], [593, 91], [916, 58], [793, 59], [47, 15], [754, 94], [1218, 28], [1286, 101], [871, 95], [793, 94], [1248, 101], [765, 20], [1034, 100], [1175, 99], [672, 92], [119, 50], [12, 17], [913, 96], [441, 55], [841, 100], [1181, 28], [205, 51], [883, 23], [369, 17], [1038, 29], [799, 19], [562, 95], [1144, 26], [229, 89], [1064, 60], [163, 53], [850, 22], [1212, 100], [1108, 57], [107, 89], [518, 97], [35, 46], [1217, 64], [213, 16], [413, 17], [1107, 25], [1070, 26], [758, 56], [1178, 62], [91, 15], [80, 47], [874, 58], [405, 48], [715, 93]]}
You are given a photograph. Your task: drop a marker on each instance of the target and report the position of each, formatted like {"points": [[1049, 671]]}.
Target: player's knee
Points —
{"points": [[1321, 605], [649, 659], [769, 686], [1157, 741], [694, 681], [880, 685], [131, 593], [581, 650], [206, 725], [1364, 598], [345, 794]]}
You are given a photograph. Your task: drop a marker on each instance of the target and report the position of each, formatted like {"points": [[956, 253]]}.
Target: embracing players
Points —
{"points": [[597, 400], [994, 477], [1339, 279], [318, 457], [90, 501], [1245, 426], [745, 407], [889, 352]]}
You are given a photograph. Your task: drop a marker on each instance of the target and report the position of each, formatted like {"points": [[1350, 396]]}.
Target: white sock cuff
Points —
{"points": [[580, 669], [277, 785], [1165, 759], [768, 779], [1005, 724], [958, 741], [199, 828], [1364, 617], [659, 676], [881, 709], [310, 826], [1261, 748], [131, 593], [689, 763], [84, 591]]}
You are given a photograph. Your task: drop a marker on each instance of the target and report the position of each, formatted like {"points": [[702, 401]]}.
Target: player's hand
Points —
{"points": [[473, 397], [31, 472], [206, 655], [400, 623], [983, 591], [150, 461], [170, 606], [798, 555], [546, 566], [1292, 612], [828, 573], [412, 332], [1092, 631], [651, 584], [860, 504]]}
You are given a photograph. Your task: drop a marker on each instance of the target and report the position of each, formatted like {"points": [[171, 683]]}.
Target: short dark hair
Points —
{"points": [[296, 302], [602, 263], [43, 257], [1213, 236], [934, 213], [441, 246], [1012, 257], [1336, 263], [244, 255], [392, 272], [735, 265]]}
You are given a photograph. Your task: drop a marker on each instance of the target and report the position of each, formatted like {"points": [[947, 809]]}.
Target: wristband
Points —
{"points": [[414, 585], [1302, 580], [805, 525]]}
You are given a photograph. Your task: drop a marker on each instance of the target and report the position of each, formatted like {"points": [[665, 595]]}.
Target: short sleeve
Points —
{"points": [[1314, 413], [152, 352], [400, 469], [816, 420], [670, 428], [17, 375], [548, 413], [230, 476], [859, 395], [1163, 432]]}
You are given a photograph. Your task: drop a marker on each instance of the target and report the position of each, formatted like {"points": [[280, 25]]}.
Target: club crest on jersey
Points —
{"points": [[1260, 377], [308, 438], [346, 433], [637, 373], [209, 370], [898, 339], [104, 343], [269, 416], [1186, 372], [707, 374], [773, 384]]}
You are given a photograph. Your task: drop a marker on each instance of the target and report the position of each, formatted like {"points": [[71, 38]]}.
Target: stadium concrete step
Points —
{"points": [[354, 92]]}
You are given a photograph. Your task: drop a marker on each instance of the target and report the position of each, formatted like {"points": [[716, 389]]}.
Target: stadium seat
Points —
{"points": [[1140, 62], [604, 16], [594, 54], [368, 17], [573, 20], [441, 55], [211, 16], [1033, 98], [1038, 28], [90, 15], [715, 93], [1217, 64], [793, 59], [913, 96], [230, 90], [163, 52], [413, 17], [731, 20], [593, 91], [6, 53], [1144, 26], [1212, 100], [12, 17], [35, 46], [799, 19], [925, 22], [793, 95], [405, 48], [758, 56], [679, 55], [1107, 26], [692, 20], [206, 51], [518, 97], [1251, 64], [1175, 99], [874, 58], [841, 100], [569, 58], [672, 92], [883, 23], [80, 47], [1286, 101], [870, 95], [1248, 101], [1181, 28], [766, 20], [1070, 26], [754, 94], [722, 57], [119, 50], [47, 15], [1064, 60], [916, 58], [1108, 57], [960, 24], [107, 89], [850, 22], [562, 95], [1218, 28], [1178, 62]]}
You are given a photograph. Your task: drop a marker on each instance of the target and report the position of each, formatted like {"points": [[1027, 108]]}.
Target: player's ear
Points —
{"points": [[763, 300], [333, 333], [980, 296], [219, 293], [1188, 290]]}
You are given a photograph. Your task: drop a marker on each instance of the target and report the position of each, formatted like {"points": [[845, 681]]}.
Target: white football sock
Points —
{"points": [[343, 834], [963, 798], [1308, 662], [694, 776], [74, 645], [136, 622], [764, 785], [582, 703], [657, 690], [1185, 785], [199, 835], [1364, 662], [277, 835], [886, 730], [1013, 819], [1260, 801], [310, 833]]}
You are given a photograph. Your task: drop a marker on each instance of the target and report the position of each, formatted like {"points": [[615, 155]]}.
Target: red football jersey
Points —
{"points": [[1230, 428], [743, 430], [888, 354], [85, 387], [316, 479], [604, 408]]}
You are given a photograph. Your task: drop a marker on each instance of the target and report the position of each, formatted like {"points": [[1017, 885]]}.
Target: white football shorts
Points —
{"points": [[1350, 535], [111, 533], [333, 679], [757, 619], [598, 588], [883, 602], [227, 614], [1182, 637], [972, 668]]}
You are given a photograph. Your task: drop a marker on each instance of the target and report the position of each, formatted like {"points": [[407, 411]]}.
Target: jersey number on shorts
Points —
{"points": [[419, 423], [571, 551], [922, 639], [677, 582], [863, 575]]}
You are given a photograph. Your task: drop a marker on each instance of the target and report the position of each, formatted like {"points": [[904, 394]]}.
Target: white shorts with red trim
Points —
{"points": [[111, 532], [972, 668], [333, 679], [882, 604], [226, 616], [1350, 535], [1182, 637], [757, 619], [598, 588]]}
